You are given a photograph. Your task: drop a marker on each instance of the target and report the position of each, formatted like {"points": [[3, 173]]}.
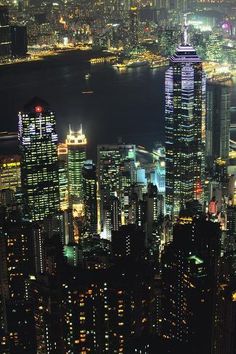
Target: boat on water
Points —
{"points": [[87, 89], [120, 66], [137, 63], [8, 135], [89, 92], [157, 64]]}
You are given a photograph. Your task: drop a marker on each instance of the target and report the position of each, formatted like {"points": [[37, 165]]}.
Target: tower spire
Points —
{"points": [[185, 29]]}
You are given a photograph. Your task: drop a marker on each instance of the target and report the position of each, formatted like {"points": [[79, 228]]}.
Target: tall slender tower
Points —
{"points": [[218, 122], [90, 196], [76, 145], [185, 113], [39, 169]]}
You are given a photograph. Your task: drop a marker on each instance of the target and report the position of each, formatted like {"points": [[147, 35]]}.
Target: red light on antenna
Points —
{"points": [[38, 109]]}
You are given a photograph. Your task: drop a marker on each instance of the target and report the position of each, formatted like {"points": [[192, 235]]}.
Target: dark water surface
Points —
{"points": [[128, 104]]}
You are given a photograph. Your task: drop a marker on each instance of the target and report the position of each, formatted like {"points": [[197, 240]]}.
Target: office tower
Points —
{"points": [[141, 178], [218, 122], [90, 196], [62, 152], [115, 214], [133, 27], [5, 36], [10, 174], [39, 168], [18, 41], [76, 144], [153, 210], [127, 178], [185, 86], [158, 172], [229, 244], [66, 226], [190, 279], [110, 168]]}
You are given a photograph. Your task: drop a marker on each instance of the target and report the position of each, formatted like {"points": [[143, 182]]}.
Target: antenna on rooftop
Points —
{"points": [[186, 29]]}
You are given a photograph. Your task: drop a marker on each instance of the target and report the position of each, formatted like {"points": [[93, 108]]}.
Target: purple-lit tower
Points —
{"points": [[39, 167], [185, 113]]}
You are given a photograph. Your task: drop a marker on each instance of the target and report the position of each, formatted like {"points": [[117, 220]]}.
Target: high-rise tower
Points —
{"points": [[90, 196], [185, 112], [39, 169], [76, 145], [218, 122], [5, 35]]}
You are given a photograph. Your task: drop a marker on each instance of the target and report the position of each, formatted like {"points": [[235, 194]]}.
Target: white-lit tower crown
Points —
{"points": [[76, 144]]}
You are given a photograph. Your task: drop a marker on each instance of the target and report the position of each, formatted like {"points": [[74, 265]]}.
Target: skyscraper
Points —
{"points": [[76, 144], [39, 168], [190, 275], [90, 196], [10, 172], [218, 122], [185, 111], [63, 176], [18, 41], [133, 26], [5, 35], [111, 159]]}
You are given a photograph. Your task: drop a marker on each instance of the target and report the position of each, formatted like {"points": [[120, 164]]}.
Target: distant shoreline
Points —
{"points": [[83, 56]]}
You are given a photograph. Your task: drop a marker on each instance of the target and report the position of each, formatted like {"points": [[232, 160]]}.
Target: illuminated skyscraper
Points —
{"points": [[76, 144], [63, 176], [185, 112], [133, 25], [90, 196], [10, 172], [39, 168], [111, 182]]}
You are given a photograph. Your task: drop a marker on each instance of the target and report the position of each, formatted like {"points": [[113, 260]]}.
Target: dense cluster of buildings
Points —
{"points": [[35, 26], [126, 254]]}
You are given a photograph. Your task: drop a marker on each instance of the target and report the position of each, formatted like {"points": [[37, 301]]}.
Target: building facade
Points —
{"points": [[39, 169], [218, 122], [185, 112], [76, 144], [5, 35]]}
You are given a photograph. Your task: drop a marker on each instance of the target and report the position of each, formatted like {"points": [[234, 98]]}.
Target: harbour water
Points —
{"points": [[112, 105]]}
